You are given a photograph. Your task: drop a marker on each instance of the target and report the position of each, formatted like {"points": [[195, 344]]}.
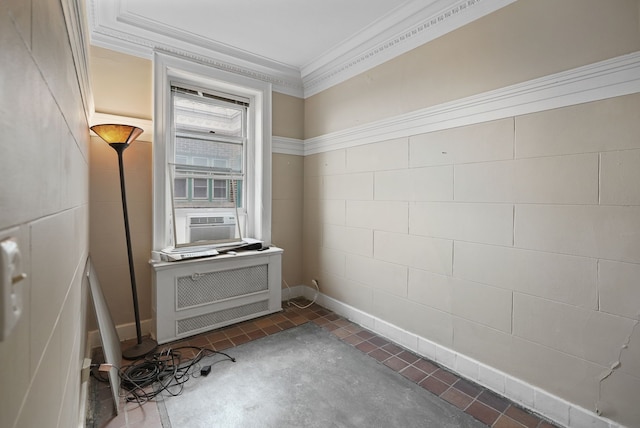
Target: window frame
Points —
{"points": [[225, 187], [169, 68], [194, 186]]}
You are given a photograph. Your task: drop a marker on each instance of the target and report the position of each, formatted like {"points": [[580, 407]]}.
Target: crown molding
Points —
{"points": [[416, 27], [606, 79], [113, 27]]}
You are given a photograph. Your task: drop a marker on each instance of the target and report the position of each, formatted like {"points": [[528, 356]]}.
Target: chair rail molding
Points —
{"points": [[605, 79]]}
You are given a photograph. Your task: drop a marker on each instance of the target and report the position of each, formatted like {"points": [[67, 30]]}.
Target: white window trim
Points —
{"points": [[258, 175]]}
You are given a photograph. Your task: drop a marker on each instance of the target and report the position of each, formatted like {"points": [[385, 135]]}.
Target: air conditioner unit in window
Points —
{"points": [[211, 227]]}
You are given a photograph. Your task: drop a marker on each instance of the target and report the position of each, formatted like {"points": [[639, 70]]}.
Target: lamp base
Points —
{"points": [[140, 350]]}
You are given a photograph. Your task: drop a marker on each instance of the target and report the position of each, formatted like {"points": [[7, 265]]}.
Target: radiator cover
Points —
{"points": [[194, 296]]}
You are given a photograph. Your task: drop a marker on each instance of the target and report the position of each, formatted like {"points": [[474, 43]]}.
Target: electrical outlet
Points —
{"points": [[11, 277]]}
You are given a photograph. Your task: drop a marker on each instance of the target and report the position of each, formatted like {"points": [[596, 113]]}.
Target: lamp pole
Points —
{"points": [[120, 148], [113, 135]]}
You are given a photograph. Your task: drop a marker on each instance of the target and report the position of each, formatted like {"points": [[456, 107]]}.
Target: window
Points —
{"points": [[212, 150], [210, 132], [200, 188], [220, 189]]}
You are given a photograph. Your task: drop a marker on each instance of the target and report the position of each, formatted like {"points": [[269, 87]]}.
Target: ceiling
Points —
{"points": [[301, 46]]}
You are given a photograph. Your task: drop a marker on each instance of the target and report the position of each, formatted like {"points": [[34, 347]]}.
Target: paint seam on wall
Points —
{"points": [[605, 79]]}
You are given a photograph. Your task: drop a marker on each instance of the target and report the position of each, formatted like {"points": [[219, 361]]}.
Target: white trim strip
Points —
{"points": [[528, 396], [281, 145], [606, 79], [287, 146]]}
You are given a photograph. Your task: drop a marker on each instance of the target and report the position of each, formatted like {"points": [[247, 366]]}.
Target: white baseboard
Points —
{"points": [[125, 332], [528, 396]]}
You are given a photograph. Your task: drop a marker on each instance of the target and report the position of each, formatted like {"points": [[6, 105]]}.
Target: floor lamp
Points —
{"points": [[119, 137]]}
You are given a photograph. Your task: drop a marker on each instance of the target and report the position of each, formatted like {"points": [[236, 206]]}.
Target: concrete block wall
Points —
{"points": [[44, 203], [515, 242]]}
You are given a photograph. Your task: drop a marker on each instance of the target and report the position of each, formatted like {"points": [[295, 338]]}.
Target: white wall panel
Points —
{"points": [[548, 180], [411, 316], [619, 289], [387, 155], [415, 184], [607, 232], [348, 186], [431, 254], [483, 304], [609, 124], [430, 289], [473, 143], [348, 239], [388, 277], [485, 223], [558, 277], [586, 334], [619, 178], [378, 215]]}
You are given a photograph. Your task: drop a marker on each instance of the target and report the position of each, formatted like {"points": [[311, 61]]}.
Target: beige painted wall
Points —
{"points": [[288, 116], [107, 236], [122, 86], [44, 202], [287, 187], [514, 242], [522, 41]]}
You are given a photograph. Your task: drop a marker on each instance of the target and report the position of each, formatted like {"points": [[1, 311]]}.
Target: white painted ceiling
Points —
{"points": [[301, 46], [292, 32]]}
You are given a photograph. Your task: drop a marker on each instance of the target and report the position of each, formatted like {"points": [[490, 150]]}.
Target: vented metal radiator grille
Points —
{"points": [[198, 289], [208, 320]]}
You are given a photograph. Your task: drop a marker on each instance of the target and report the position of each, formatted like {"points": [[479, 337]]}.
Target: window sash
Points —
{"points": [[211, 147]]}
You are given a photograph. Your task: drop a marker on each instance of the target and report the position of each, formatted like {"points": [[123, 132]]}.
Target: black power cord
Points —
{"points": [[165, 371]]}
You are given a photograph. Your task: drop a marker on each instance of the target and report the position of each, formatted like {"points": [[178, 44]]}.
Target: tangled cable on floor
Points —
{"points": [[165, 371], [308, 305]]}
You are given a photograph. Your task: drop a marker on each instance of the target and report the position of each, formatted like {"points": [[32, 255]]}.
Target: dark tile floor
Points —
{"points": [[491, 409]]}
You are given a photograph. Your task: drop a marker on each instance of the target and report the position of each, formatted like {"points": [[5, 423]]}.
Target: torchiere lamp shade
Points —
{"points": [[117, 133]]}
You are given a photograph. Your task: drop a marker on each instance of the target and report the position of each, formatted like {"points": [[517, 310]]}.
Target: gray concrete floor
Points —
{"points": [[279, 386]]}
